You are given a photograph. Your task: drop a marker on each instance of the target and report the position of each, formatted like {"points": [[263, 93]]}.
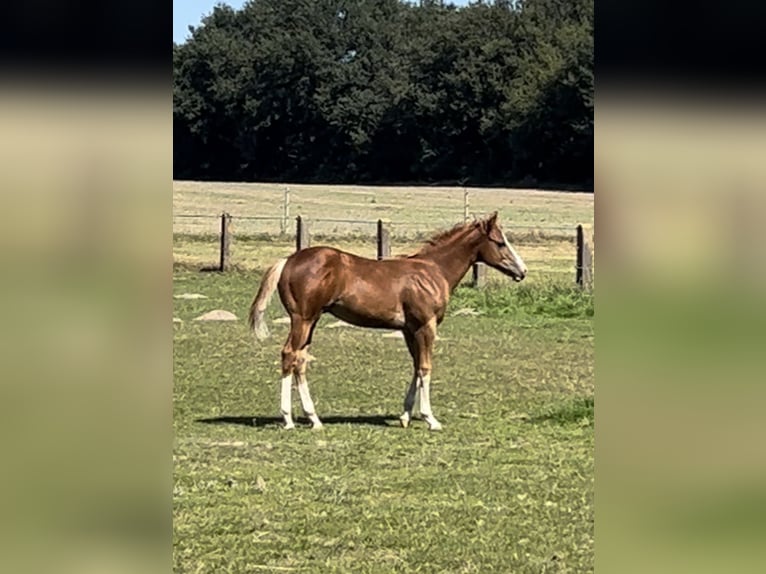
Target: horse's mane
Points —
{"points": [[442, 237]]}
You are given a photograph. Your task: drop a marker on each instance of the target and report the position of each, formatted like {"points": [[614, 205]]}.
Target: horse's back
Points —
{"points": [[330, 260], [316, 252]]}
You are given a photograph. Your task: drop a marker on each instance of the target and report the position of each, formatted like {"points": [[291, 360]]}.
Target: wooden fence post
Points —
{"points": [[223, 264], [479, 270], [384, 241], [479, 275], [302, 237], [584, 276]]}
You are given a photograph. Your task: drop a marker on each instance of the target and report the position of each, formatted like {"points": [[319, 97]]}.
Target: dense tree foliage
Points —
{"points": [[387, 91]]}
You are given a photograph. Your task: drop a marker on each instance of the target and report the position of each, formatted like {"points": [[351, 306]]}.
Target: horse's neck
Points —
{"points": [[455, 259]]}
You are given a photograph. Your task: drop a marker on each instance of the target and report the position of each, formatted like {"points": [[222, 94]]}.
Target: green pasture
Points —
{"points": [[507, 486]]}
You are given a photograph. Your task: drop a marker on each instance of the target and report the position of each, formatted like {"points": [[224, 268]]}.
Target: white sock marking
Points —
{"points": [[306, 402], [425, 403]]}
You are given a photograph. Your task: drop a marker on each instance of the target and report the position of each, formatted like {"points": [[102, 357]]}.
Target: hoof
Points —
{"points": [[317, 426], [404, 421], [434, 426], [289, 426]]}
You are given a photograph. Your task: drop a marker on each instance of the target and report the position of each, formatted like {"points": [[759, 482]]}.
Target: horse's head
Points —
{"points": [[496, 251]]}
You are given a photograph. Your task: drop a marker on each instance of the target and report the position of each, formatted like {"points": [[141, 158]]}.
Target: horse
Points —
{"points": [[407, 293]]}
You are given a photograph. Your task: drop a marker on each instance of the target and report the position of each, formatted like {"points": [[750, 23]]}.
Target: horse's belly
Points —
{"points": [[375, 316]]}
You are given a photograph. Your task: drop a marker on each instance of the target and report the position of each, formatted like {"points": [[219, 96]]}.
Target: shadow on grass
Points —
{"points": [[262, 421]]}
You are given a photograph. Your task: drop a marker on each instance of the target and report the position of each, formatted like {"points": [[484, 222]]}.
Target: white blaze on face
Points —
{"points": [[517, 260]]}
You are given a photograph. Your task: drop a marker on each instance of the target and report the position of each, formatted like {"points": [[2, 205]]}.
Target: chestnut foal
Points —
{"points": [[408, 294]]}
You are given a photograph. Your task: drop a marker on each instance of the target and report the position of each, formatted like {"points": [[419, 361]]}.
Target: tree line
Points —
{"points": [[387, 91]]}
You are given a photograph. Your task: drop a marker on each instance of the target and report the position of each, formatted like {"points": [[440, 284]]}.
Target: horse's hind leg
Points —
{"points": [[303, 391], [286, 402], [294, 363]]}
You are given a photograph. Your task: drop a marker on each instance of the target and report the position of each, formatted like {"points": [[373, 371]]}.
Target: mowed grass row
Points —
{"points": [[411, 210], [507, 486]]}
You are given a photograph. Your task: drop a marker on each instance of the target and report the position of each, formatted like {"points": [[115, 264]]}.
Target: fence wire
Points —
{"points": [[204, 224]]}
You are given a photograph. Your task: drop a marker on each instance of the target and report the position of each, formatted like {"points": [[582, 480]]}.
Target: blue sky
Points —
{"points": [[190, 12]]}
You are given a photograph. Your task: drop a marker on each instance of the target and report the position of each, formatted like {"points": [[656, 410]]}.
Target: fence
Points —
{"points": [[411, 212], [583, 234]]}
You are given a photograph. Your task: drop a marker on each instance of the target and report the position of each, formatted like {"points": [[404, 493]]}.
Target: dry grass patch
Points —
{"points": [[410, 209]]}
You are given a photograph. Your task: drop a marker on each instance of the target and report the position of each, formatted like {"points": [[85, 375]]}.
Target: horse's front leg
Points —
{"points": [[425, 400], [410, 397], [409, 401], [420, 345], [425, 337]]}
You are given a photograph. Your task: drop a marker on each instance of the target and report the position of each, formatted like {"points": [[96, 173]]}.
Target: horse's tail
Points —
{"points": [[261, 301]]}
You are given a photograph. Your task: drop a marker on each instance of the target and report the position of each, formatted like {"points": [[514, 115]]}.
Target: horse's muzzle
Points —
{"points": [[514, 272]]}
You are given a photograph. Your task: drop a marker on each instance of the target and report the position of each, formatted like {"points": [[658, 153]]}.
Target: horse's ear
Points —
{"points": [[491, 220]]}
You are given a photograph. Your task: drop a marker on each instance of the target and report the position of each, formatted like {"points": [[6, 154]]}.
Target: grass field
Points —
{"points": [[507, 486]]}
